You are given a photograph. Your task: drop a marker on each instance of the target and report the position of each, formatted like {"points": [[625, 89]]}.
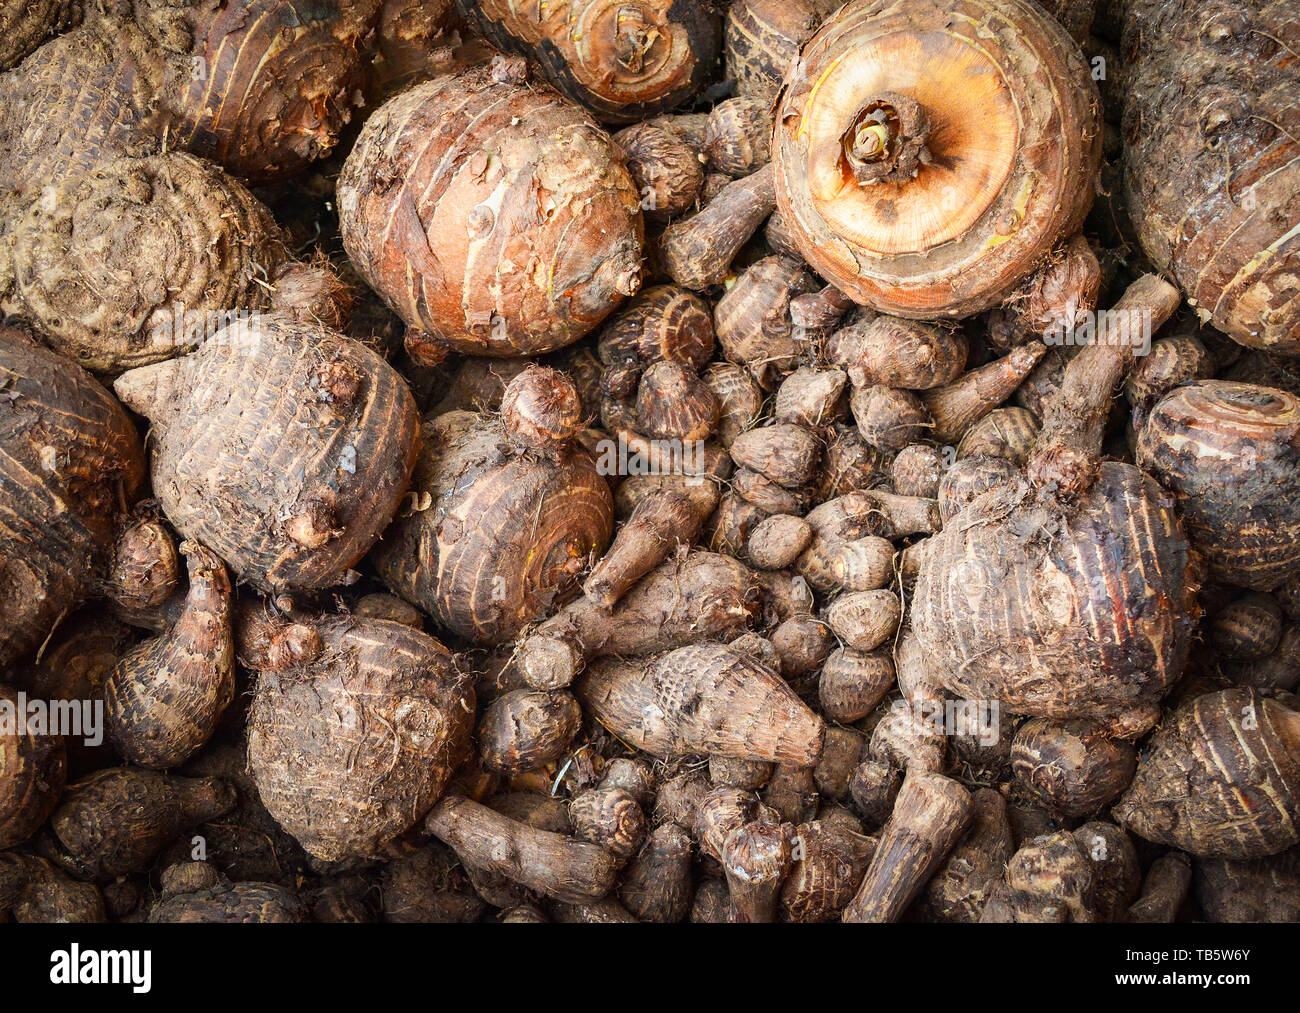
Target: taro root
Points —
{"points": [[829, 857], [509, 513], [1221, 777], [25, 25], [910, 189], [33, 766], [625, 61], [1069, 767], [289, 498], [1005, 432], [164, 698], [493, 215], [1165, 889], [196, 892], [1211, 168], [70, 465], [610, 817], [698, 251], [659, 525], [665, 169], [526, 729], [739, 135], [34, 891], [762, 38], [1248, 629], [892, 352], [145, 576], [662, 323], [962, 884], [753, 321], [1265, 890], [1230, 452], [1051, 879], [957, 406], [354, 738], [756, 859], [853, 683], [657, 884]]}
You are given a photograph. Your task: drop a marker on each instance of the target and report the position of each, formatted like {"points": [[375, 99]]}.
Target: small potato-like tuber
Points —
{"points": [[34, 891], [195, 892], [853, 683], [658, 882], [1071, 768], [665, 169], [739, 136], [863, 620], [892, 352], [526, 729], [753, 319]]}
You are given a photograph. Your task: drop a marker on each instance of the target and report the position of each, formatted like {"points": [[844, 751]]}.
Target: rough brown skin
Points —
{"points": [[777, 542], [541, 410], [1230, 452], [199, 894], [970, 478], [662, 323], [942, 219], [429, 885], [856, 564], [698, 252], [1049, 880], [811, 397], [1174, 361], [843, 752], [341, 455], [611, 817], [753, 319], [892, 352], [146, 571], [801, 643], [70, 465], [1117, 872], [849, 463], [1164, 891], [1211, 169], [962, 884], [25, 25], [1248, 629], [665, 169], [770, 498], [660, 524], [874, 787], [1265, 890], [917, 470], [756, 859], [1005, 432], [32, 891], [739, 136], [526, 729], [673, 403], [959, 405], [658, 883], [853, 683], [1071, 768], [761, 40], [33, 767], [864, 620], [829, 859], [553, 864], [787, 454], [889, 419], [624, 61], [706, 698], [115, 821], [492, 214], [699, 597], [1211, 784], [351, 746], [928, 819], [165, 697]]}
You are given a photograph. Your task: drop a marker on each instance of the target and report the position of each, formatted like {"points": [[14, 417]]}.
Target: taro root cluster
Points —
{"points": [[751, 461]]}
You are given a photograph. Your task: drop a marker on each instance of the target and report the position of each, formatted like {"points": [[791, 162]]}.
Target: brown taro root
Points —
{"points": [[778, 541], [786, 454], [739, 136], [526, 729], [1070, 767], [811, 397], [1051, 879], [761, 40], [662, 323], [493, 215], [290, 497], [1220, 777], [658, 882], [352, 741], [1230, 452], [429, 885], [957, 406], [962, 884], [829, 857], [610, 817], [707, 698], [1248, 629], [145, 577], [1116, 870], [665, 169], [554, 864], [1005, 432], [196, 892], [1164, 891], [165, 697], [34, 891], [910, 189], [1066, 594], [889, 419], [853, 683], [753, 319], [656, 528], [756, 859], [970, 478], [505, 521], [25, 25], [892, 352], [698, 251], [917, 470], [703, 596], [625, 61], [33, 767], [673, 403], [115, 821], [70, 465], [1265, 890], [1211, 168]]}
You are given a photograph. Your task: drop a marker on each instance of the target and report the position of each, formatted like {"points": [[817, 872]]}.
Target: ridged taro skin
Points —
{"points": [[232, 904], [505, 534], [25, 24], [625, 60], [33, 768], [1084, 611], [492, 214], [762, 39], [1013, 151], [1230, 452], [1212, 158], [352, 748], [70, 467], [283, 447], [1220, 777]]}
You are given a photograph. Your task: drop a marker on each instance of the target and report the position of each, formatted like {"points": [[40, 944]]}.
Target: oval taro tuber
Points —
{"points": [[33, 766]]}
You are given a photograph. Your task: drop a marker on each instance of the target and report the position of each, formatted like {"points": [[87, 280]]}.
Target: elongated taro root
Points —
{"points": [[698, 251], [1164, 891], [1016, 600], [290, 497], [658, 882], [1211, 168], [70, 464], [115, 821], [929, 156], [624, 60], [1220, 777], [511, 510], [962, 884], [493, 215], [354, 735], [661, 523], [33, 766], [164, 698], [707, 698], [1231, 453]]}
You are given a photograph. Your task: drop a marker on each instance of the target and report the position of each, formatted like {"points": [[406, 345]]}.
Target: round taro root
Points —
{"points": [[504, 523], [930, 155], [283, 447], [354, 732], [70, 463], [494, 215]]}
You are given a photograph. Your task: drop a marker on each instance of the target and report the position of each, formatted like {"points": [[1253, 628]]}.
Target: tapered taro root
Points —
{"points": [[70, 465], [1066, 594], [513, 510], [33, 766], [493, 215], [354, 735], [1230, 452], [929, 156], [164, 698], [1220, 777], [283, 447], [625, 61], [1212, 159]]}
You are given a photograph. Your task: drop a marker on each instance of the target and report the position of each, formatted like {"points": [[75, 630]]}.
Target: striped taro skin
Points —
{"points": [[1212, 157], [24, 26], [353, 749], [32, 772], [762, 40], [1076, 612], [506, 532], [1220, 777], [493, 215], [1230, 452], [623, 59], [283, 447], [70, 466]]}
